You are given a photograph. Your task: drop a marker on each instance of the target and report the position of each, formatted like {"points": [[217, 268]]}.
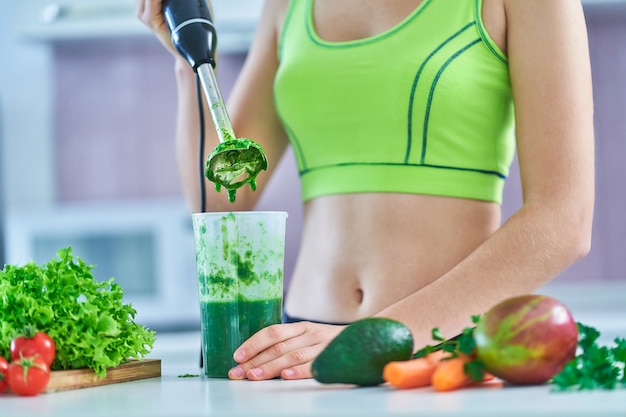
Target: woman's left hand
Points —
{"points": [[282, 350]]}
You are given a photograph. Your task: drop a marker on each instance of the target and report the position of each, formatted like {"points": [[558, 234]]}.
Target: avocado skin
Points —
{"points": [[360, 352]]}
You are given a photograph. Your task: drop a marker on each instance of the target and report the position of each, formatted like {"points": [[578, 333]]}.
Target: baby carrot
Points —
{"points": [[413, 373], [450, 374], [488, 377]]}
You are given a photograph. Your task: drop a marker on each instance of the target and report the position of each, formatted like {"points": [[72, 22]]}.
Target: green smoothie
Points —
{"points": [[240, 262], [225, 325]]}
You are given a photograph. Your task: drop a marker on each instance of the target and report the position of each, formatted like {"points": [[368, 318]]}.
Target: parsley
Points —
{"points": [[87, 320], [595, 366], [463, 343]]}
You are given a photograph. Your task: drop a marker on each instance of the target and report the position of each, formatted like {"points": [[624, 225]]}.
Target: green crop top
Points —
{"points": [[423, 108]]}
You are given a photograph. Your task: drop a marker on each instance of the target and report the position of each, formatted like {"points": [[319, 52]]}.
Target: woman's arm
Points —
{"points": [[551, 80], [251, 109]]}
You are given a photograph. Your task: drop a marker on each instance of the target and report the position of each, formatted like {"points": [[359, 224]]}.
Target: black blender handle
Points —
{"points": [[192, 30], [194, 36]]}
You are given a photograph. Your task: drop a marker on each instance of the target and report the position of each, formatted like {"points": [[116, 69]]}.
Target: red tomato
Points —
{"points": [[4, 374], [29, 345], [28, 376]]}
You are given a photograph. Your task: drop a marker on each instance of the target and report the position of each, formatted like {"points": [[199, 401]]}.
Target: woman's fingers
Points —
{"points": [[285, 350], [139, 8], [297, 372], [266, 346], [150, 12], [267, 338], [300, 358]]}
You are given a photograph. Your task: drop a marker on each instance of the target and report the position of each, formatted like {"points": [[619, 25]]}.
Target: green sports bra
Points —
{"points": [[423, 108]]}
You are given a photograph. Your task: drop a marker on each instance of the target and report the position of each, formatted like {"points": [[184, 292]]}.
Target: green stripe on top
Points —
{"points": [[310, 27], [417, 79], [431, 95], [489, 43]]}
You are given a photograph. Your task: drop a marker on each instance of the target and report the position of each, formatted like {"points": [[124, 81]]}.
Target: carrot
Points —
{"points": [[488, 377], [413, 373], [450, 374]]}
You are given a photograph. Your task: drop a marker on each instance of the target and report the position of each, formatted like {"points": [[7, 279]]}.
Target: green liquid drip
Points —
{"points": [[234, 163]]}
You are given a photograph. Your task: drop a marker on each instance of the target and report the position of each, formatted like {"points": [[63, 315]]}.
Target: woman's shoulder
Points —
{"points": [[275, 11]]}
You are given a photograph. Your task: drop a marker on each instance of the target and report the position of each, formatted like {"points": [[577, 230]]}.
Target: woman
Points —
{"points": [[401, 121]]}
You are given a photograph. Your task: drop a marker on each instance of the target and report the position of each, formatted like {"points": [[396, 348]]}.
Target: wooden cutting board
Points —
{"points": [[85, 378]]}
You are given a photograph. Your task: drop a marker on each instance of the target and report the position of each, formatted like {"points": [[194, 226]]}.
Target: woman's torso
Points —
{"points": [[362, 252]]}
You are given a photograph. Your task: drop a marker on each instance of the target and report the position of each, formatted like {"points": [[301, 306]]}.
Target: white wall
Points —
{"points": [[26, 168]]}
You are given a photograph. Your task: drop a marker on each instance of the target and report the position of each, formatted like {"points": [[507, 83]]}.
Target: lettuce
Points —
{"points": [[88, 321]]}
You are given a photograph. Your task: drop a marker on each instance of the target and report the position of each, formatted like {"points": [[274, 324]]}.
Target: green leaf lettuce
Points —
{"points": [[88, 321]]}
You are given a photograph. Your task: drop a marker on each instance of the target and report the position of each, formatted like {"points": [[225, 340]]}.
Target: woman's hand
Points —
{"points": [[282, 350], [150, 12]]}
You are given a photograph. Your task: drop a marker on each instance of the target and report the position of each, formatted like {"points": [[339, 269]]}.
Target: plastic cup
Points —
{"points": [[240, 262]]}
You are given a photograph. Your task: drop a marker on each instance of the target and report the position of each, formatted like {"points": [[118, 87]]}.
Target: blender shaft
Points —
{"points": [[217, 108]]}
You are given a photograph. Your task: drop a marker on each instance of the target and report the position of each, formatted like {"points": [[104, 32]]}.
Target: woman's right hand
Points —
{"points": [[150, 12]]}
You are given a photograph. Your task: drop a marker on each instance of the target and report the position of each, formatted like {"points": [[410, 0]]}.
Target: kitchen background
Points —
{"points": [[87, 100]]}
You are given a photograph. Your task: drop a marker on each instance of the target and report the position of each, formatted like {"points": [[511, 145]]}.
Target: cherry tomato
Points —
{"points": [[28, 376], [4, 374], [33, 343]]}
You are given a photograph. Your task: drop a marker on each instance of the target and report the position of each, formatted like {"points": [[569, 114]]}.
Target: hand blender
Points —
{"points": [[234, 162]]}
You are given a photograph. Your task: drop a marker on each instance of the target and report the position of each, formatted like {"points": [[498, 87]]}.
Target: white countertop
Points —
{"points": [[172, 396], [186, 397]]}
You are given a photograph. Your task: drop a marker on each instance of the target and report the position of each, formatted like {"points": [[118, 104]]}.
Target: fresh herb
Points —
{"points": [[595, 366], [189, 376], [87, 320], [463, 343]]}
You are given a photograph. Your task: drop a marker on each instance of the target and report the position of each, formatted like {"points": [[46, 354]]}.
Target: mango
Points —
{"points": [[526, 339]]}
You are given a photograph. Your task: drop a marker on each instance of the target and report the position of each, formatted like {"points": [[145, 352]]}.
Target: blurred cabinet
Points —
{"points": [[146, 247], [607, 39]]}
